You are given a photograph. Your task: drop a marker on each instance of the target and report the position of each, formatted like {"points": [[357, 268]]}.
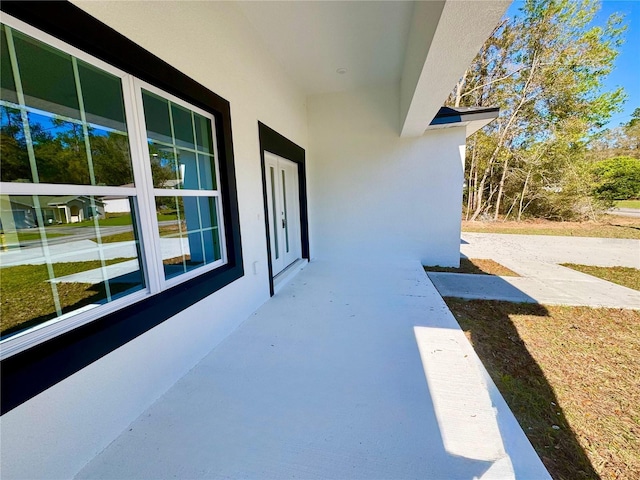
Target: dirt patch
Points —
{"points": [[609, 226], [480, 266]]}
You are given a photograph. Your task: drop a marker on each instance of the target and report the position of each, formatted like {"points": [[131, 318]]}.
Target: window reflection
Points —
{"points": [[63, 122], [61, 254], [74, 116], [60, 151], [13, 147], [110, 158], [164, 166], [177, 161], [59, 148], [38, 64], [189, 236]]}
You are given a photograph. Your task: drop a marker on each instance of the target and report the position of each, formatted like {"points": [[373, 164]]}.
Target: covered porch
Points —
{"points": [[352, 370]]}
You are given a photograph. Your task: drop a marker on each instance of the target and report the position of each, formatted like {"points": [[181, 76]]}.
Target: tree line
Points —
{"points": [[543, 156], [61, 155]]}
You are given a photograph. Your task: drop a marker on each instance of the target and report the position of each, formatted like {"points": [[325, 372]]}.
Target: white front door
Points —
{"points": [[284, 211]]}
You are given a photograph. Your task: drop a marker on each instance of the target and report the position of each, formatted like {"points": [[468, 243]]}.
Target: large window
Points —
{"points": [[110, 187], [184, 175]]}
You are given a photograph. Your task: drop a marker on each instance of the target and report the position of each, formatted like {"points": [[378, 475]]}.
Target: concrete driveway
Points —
{"points": [[535, 258]]}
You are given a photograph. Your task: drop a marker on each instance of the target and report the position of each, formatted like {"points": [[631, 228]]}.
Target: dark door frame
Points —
{"points": [[272, 142]]}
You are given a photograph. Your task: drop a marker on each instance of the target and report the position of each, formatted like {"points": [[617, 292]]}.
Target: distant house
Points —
{"points": [[117, 203], [54, 209]]}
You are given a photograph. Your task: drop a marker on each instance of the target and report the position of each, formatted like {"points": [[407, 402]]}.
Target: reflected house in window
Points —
{"points": [[55, 210], [117, 203]]}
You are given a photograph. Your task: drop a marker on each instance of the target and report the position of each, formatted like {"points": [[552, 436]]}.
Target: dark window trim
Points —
{"points": [[32, 371], [271, 141]]}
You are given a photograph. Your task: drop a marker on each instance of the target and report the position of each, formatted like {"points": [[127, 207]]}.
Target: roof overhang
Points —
{"points": [[425, 46], [422, 47], [438, 52], [472, 118]]}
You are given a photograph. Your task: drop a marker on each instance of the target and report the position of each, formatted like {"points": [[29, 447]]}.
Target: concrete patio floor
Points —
{"points": [[350, 371], [542, 280]]}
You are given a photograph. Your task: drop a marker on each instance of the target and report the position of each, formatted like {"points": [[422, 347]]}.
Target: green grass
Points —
{"points": [[575, 368], [28, 236], [9, 239], [628, 204], [118, 237], [167, 216], [625, 276], [128, 236], [112, 220], [119, 220], [27, 298]]}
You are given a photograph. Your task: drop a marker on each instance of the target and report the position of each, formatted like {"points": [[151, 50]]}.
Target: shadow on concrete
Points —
{"points": [[477, 287], [522, 382]]}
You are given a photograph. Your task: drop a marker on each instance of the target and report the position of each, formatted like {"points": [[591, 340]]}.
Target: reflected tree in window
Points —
{"points": [[164, 169], [60, 151], [13, 147], [111, 159]]}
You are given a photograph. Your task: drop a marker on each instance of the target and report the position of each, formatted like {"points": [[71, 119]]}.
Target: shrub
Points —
{"points": [[616, 179]]}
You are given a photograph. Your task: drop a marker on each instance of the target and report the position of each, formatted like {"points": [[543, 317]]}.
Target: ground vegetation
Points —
{"points": [[606, 226]]}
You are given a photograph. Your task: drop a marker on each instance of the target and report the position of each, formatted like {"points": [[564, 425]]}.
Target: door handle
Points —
{"points": [[284, 223]]}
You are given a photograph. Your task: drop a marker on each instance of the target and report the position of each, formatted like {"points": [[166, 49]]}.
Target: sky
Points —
{"points": [[626, 72]]}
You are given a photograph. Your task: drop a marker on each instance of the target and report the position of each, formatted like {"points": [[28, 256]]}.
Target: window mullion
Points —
{"points": [[178, 173], [147, 220], [219, 187], [195, 144]]}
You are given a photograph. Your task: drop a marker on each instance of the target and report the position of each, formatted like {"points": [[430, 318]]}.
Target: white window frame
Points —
{"points": [[143, 193], [151, 193]]}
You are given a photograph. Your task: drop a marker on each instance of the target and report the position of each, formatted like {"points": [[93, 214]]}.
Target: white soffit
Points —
{"points": [[312, 40], [437, 55], [471, 118], [471, 126], [424, 45]]}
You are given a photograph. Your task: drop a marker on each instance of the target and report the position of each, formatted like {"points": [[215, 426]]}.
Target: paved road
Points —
{"points": [[625, 212], [86, 250], [542, 280], [85, 232]]}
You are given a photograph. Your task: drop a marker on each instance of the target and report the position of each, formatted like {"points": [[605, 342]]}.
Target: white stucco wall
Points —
{"points": [[378, 196], [372, 195], [54, 434]]}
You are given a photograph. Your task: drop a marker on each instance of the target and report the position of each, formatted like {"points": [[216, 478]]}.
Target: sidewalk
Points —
{"points": [[535, 258], [350, 371]]}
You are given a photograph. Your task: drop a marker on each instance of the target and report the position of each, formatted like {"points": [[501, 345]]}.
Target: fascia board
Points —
{"points": [[425, 86]]}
